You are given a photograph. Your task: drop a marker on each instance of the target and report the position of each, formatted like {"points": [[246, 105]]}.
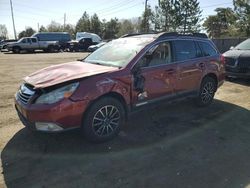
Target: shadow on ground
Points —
{"points": [[241, 81], [176, 145]]}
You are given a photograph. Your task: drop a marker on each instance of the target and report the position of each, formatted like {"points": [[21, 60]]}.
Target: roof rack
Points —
{"points": [[167, 34], [135, 34], [175, 34]]}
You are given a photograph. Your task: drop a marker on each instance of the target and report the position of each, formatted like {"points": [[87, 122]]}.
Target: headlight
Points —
{"points": [[57, 94]]}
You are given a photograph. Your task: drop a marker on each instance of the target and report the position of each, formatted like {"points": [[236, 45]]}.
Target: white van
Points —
{"points": [[93, 36]]}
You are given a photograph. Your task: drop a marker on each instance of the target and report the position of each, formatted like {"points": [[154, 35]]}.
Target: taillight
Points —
{"points": [[222, 59]]}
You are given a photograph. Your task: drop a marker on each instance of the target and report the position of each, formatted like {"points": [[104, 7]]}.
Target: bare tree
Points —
{"points": [[3, 32]]}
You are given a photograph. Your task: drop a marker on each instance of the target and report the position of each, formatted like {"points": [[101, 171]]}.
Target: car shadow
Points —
{"points": [[27, 52], [162, 124], [241, 81]]}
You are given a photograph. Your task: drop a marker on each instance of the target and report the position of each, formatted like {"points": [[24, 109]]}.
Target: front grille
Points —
{"points": [[230, 61], [25, 93], [244, 62]]}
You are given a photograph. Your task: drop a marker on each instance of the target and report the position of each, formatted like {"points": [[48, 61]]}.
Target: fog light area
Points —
{"points": [[50, 127]]}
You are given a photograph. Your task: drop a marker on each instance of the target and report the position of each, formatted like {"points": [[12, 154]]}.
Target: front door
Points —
{"points": [[159, 75]]}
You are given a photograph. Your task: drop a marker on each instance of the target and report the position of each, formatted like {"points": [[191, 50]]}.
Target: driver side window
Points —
{"points": [[157, 55]]}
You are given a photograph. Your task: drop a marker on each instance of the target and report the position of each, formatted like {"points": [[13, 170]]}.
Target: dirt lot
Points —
{"points": [[177, 145]]}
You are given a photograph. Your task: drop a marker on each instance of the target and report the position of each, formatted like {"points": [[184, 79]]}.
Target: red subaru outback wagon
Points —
{"points": [[97, 93]]}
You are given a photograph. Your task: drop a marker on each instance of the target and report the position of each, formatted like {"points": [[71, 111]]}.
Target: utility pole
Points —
{"points": [[64, 21], [38, 28], [146, 16], [14, 28], [146, 5]]}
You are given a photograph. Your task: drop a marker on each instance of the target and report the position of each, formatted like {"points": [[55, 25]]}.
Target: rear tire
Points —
{"points": [[51, 49], [16, 50], [103, 120], [206, 93]]}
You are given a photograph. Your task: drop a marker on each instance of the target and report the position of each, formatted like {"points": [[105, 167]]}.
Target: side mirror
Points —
{"points": [[232, 47]]}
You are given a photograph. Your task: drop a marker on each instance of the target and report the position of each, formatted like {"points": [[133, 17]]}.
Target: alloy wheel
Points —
{"points": [[106, 120], [207, 92]]}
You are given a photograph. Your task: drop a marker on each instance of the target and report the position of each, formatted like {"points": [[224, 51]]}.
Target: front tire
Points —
{"points": [[207, 92], [103, 120], [16, 50]]}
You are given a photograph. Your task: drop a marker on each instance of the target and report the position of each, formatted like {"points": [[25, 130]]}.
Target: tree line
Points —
{"points": [[170, 15]]}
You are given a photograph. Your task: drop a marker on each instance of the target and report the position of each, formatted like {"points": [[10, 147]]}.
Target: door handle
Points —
{"points": [[170, 71]]}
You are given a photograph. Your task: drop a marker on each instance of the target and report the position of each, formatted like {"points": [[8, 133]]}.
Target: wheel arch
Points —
{"points": [[213, 76], [112, 94]]}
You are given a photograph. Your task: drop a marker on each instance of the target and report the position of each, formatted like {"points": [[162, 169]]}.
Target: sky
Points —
{"points": [[31, 13]]}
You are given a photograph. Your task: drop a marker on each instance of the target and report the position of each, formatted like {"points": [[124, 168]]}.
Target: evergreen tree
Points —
{"points": [[111, 29], [95, 25], [83, 24], [170, 13], [147, 18], [70, 29], [158, 19], [42, 29], [190, 16], [26, 33], [126, 26]]}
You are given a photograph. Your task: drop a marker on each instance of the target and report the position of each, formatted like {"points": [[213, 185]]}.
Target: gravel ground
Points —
{"points": [[175, 145]]}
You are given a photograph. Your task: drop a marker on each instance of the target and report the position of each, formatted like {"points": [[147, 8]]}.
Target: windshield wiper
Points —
{"points": [[104, 64]]}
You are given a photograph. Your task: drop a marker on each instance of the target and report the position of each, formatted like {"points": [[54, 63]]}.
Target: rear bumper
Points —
{"points": [[238, 74]]}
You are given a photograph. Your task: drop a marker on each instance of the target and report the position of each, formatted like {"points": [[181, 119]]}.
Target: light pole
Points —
{"points": [[13, 19]]}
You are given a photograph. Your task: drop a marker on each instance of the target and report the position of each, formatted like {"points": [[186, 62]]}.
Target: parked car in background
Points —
{"points": [[31, 44], [125, 75], [3, 44], [95, 38], [238, 60], [80, 45], [96, 46], [62, 37]]}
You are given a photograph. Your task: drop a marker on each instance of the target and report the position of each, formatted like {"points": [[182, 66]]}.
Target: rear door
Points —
{"points": [[190, 67], [159, 74]]}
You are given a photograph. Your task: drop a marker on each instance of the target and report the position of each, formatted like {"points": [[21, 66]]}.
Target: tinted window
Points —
{"points": [[207, 49], [185, 49], [245, 45], [33, 40], [53, 36], [23, 41]]}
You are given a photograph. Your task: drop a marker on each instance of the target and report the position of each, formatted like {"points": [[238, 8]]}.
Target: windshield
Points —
{"points": [[118, 52], [20, 40], [245, 45]]}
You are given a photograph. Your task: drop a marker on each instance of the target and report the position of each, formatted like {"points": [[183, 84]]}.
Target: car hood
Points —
{"points": [[237, 53], [65, 72], [10, 43]]}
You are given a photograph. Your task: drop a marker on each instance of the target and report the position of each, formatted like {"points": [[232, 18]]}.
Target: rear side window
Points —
{"points": [[33, 40], [207, 49], [184, 50]]}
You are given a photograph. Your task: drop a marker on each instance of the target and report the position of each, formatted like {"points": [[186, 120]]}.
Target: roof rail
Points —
{"points": [[201, 35], [135, 34], [175, 34]]}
